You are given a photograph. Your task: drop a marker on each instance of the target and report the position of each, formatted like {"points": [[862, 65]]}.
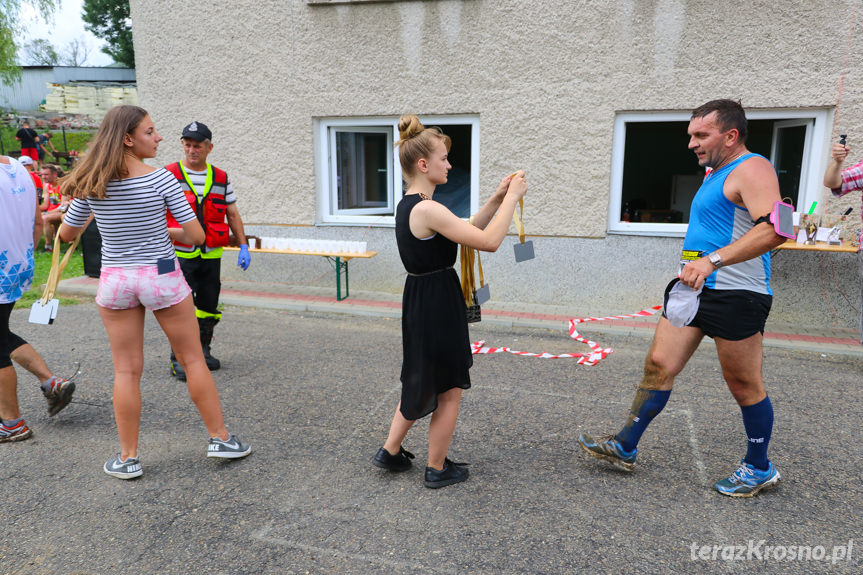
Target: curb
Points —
{"points": [[850, 347]]}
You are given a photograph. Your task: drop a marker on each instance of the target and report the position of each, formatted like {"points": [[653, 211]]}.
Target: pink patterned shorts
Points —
{"points": [[125, 288]]}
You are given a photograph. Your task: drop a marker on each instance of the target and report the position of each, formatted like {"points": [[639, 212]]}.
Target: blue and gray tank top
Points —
{"points": [[714, 222]]}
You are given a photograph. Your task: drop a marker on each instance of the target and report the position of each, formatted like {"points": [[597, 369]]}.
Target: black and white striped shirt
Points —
{"points": [[131, 218]]}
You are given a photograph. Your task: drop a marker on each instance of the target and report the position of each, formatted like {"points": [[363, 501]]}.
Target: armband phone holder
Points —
{"points": [[782, 218]]}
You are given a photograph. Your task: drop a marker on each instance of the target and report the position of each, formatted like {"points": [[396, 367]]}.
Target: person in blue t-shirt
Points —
{"points": [[723, 291]]}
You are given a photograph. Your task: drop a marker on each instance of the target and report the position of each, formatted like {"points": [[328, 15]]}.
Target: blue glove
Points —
{"points": [[245, 258]]}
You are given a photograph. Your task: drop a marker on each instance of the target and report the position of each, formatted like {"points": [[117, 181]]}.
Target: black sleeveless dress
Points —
{"points": [[435, 337]]}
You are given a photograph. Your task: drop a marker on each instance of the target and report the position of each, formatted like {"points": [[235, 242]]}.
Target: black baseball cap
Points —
{"points": [[197, 131]]}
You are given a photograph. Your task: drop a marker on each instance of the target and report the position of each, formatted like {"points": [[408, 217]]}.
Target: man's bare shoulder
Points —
{"points": [[756, 166], [753, 175]]}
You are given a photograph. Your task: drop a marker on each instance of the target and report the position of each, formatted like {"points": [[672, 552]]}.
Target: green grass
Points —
{"points": [[74, 268], [74, 140]]}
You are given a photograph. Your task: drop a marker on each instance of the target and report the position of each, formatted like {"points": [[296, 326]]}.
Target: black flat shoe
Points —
{"points": [[451, 473], [398, 462]]}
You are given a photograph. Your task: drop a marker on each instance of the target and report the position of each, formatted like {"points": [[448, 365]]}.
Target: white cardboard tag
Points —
{"points": [[823, 234], [44, 314]]}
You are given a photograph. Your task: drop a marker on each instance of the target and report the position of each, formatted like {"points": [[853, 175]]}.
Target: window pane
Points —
{"points": [[660, 173], [790, 142], [455, 193], [361, 169], [655, 176]]}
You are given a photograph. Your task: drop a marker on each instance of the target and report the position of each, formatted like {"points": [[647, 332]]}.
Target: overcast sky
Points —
{"points": [[67, 26]]}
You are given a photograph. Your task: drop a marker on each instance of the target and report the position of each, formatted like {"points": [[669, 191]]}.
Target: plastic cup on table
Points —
{"points": [[251, 243]]}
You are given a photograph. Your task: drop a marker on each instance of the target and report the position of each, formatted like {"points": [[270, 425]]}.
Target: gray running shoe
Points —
{"points": [[58, 393], [128, 469], [231, 448]]}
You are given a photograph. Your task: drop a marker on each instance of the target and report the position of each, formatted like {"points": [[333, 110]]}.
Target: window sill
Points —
{"points": [[347, 1], [648, 233]]}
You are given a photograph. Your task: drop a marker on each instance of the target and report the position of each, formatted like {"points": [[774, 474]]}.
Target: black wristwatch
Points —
{"points": [[715, 259]]}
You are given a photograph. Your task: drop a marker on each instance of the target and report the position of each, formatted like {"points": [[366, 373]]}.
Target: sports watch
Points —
{"points": [[715, 259]]}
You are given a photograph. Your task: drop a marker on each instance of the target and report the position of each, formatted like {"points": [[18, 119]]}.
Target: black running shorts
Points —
{"points": [[730, 314]]}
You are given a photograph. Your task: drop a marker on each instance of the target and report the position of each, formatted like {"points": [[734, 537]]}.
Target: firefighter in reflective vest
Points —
{"points": [[211, 196]]}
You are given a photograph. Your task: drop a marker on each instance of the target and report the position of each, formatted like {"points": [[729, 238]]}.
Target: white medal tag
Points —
{"points": [[44, 314]]}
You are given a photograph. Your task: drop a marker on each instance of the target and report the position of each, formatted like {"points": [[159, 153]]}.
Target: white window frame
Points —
{"points": [[388, 206], [816, 121], [325, 174], [807, 144]]}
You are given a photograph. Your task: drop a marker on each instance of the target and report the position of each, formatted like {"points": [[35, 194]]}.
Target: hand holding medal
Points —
{"points": [[523, 250]]}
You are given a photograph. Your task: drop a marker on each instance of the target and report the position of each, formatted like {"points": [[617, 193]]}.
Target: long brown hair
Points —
{"points": [[416, 141], [105, 158]]}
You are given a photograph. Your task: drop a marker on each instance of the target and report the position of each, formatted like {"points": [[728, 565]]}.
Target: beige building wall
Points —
{"points": [[546, 80]]}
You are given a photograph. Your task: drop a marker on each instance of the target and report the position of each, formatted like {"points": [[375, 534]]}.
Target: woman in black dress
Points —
{"points": [[435, 341]]}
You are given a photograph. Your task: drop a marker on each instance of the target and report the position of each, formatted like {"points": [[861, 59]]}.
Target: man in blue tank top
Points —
{"points": [[726, 255]]}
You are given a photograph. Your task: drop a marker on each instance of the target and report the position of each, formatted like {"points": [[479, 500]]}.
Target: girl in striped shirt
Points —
{"points": [[128, 198]]}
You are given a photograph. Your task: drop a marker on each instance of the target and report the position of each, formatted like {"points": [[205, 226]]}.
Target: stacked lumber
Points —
{"points": [[92, 99]]}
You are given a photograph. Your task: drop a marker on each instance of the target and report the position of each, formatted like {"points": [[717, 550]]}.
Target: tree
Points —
{"points": [[9, 33], [76, 52], [40, 52], [110, 20]]}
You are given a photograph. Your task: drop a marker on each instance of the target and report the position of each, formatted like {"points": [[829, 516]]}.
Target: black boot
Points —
{"points": [[177, 369], [206, 325]]}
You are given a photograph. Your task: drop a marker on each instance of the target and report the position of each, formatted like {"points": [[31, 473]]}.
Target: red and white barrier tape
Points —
{"points": [[597, 351]]}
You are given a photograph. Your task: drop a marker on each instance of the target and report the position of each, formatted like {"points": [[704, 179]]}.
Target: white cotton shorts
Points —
{"points": [[125, 288]]}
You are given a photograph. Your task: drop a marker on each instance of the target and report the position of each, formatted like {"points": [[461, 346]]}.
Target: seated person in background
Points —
{"points": [[53, 205], [840, 183], [28, 164], [51, 188]]}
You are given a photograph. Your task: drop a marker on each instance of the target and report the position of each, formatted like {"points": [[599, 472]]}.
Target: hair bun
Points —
{"points": [[409, 127]]}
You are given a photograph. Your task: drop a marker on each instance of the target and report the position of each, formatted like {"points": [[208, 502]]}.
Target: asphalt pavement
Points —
{"points": [[314, 392]]}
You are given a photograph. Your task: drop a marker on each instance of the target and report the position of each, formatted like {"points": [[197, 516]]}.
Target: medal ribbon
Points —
{"points": [[517, 217], [57, 267], [468, 282]]}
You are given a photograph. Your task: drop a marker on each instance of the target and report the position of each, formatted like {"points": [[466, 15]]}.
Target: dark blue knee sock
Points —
{"points": [[647, 405], [758, 421]]}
